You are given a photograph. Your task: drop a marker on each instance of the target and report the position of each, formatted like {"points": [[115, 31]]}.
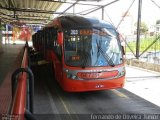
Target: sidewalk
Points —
{"points": [[10, 60], [143, 83], [7, 58]]}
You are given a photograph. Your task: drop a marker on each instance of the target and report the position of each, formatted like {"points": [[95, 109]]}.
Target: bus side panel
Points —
{"points": [[48, 55], [57, 66]]}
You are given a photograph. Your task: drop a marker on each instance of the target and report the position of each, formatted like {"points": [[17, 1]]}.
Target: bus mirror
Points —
{"points": [[60, 38], [123, 50]]}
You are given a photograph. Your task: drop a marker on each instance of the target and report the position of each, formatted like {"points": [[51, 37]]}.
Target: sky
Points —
{"points": [[150, 12]]}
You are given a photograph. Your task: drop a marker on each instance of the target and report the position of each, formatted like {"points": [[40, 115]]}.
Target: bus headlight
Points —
{"points": [[122, 72], [70, 76], [66, 70], [74, 77]]}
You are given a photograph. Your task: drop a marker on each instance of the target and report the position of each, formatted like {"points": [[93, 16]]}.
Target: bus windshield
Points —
{"points": [[92, 47]]}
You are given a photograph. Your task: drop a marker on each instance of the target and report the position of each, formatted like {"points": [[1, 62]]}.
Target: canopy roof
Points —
{"points": [[39, 11]]}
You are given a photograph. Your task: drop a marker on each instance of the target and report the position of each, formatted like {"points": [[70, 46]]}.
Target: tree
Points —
{"points": [[158, 22], [143, 28]]}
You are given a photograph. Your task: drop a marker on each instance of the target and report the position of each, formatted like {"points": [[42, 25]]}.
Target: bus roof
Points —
{"points": [[72, 21]]}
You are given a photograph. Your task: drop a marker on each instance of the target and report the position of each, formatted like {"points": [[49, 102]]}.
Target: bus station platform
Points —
{"points": [[10, 60], [116, 101], [144, 83], [51, 102]]}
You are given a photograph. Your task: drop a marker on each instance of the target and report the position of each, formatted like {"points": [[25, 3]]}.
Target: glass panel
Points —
{"points": [[92, 47]]}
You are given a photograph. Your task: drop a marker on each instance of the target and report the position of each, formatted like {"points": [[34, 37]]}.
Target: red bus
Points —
{"points": [[86, 53]]}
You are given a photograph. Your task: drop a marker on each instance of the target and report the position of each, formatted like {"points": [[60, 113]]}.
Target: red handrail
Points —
{"points": [[19, 100]]}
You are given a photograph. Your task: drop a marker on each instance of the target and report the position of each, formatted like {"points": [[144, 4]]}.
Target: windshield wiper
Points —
{"points": [[105, 55], [109, 60]]}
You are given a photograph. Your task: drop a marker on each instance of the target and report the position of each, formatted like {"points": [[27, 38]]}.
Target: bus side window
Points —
{"points": [[48, 39], [57, 48], [59, 52], [45, 39]]}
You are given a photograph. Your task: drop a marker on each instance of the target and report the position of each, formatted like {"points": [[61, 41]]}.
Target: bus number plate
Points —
{"points": [[88, 75]]}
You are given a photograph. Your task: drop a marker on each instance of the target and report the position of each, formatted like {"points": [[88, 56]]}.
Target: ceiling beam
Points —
{"points": [[28, 16], [9, 3], [60, 1], [87, 10], [6, 2], [4, 18], [34, 22], [32, 19], [30, 10], [6, 15], [101, 7], [13, 2], [69, 7], [26, 19]]}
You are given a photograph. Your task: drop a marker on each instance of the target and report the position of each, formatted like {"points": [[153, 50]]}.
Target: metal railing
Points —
{"points": [[22, 90]]}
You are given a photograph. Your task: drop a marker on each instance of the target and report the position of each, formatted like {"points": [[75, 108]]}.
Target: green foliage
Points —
{"points": [[144, 43], [2, 27], [143, 28]]}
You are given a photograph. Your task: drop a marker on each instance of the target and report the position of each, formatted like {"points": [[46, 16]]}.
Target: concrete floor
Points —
{"points": [[143, 83], [51, 100], [7, 58], [10, 60]]}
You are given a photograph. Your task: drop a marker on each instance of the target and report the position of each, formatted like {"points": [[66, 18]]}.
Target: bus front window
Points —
{"points": [[92, 47]]}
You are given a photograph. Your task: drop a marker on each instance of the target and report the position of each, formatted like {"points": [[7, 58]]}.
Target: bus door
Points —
{"points": [[57, 58], [58, 67]]}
